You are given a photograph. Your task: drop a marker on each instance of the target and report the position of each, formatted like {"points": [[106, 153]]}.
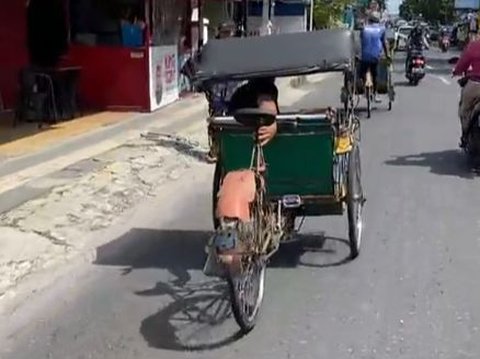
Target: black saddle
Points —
{"points": [[254, 117]]}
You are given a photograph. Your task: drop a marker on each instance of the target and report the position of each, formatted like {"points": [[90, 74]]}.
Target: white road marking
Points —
{"points": [[429, 67], [443, 79]]}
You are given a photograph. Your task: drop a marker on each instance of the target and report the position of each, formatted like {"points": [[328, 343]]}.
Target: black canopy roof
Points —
{"points": [[275, 55]]}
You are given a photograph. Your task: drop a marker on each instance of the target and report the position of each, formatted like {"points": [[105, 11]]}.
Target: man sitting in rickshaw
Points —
{"points": [[373, 40], [258, 93]]}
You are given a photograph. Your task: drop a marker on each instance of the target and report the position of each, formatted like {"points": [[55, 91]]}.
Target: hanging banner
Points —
{"points": [[163, 76]]}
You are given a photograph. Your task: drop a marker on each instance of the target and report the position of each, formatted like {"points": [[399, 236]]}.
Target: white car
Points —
{"points": [[401, 37]]}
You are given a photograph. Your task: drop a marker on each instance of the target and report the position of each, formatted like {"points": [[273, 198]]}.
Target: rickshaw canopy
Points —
{"points": [[278, 55]]}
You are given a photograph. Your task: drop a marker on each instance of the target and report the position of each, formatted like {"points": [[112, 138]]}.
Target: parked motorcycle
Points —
{"points": [[415, 68]]}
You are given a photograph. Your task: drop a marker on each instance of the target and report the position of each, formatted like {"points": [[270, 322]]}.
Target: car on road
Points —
{"points": [[401, 37]]}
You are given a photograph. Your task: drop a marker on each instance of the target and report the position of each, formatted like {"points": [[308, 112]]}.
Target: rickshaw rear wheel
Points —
{"points": [[246, 294], [355, 200], [217, 180]]}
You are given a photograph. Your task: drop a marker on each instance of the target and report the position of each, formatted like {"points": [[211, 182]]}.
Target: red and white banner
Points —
{"points": [[163, 76]]}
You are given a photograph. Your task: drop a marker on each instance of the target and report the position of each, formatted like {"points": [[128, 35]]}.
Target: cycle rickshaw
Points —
{"points": [[365, 87], [311, 168]]}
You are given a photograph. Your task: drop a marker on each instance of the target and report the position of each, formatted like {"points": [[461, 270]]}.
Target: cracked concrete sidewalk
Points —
{"points": [[53, 228]]}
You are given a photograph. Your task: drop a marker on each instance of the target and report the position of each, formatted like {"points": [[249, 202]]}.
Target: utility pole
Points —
{"points": [[245, 17], [312, 4], [265, 17]]}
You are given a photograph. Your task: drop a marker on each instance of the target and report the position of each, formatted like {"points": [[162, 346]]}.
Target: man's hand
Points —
{"points": [[266, 133]]}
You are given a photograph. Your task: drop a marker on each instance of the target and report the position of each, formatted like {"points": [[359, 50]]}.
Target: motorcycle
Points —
{"points": [[444, 43], [471, 146], [416, 67], [472, 137]]}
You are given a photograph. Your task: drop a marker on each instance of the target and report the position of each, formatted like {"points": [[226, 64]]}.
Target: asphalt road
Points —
{"points": [[412, 293]]}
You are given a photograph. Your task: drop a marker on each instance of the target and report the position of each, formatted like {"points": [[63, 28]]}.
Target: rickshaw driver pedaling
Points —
{"points": [[373, 40]]}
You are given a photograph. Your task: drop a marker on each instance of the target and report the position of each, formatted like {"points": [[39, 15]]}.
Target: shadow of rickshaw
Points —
{"points": [[198, 316]]}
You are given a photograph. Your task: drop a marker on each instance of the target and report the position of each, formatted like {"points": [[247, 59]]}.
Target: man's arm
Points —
{"points": [[464, 62]]}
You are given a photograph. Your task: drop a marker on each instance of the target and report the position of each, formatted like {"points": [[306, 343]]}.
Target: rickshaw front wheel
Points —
{"points": [[246, 293]]}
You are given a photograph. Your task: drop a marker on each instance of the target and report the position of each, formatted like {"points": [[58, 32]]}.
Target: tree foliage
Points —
{"points": [[328, 13], [431, 10]]}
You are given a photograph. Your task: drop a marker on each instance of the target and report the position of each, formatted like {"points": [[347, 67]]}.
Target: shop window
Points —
{"points": [[107, 22]]}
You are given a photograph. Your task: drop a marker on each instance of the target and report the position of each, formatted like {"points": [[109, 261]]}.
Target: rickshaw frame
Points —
{"points": [[291, 185]]}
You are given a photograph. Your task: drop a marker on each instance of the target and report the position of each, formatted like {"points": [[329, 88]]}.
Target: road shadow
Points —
{"points": [[363, 111], [312, 250], [447, 163], [180, 251], [402, 84], [195, 320], [198, 315], [447, 71], [197, 306], [179, 144]]}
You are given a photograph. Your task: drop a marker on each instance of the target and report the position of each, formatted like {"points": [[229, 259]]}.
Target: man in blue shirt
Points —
{"points": [[373, 41]]}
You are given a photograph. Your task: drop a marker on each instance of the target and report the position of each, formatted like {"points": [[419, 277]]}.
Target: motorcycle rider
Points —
{"points": [[444, 34], [472, 19], [470, 93], [373, 39], [416, 42]]}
